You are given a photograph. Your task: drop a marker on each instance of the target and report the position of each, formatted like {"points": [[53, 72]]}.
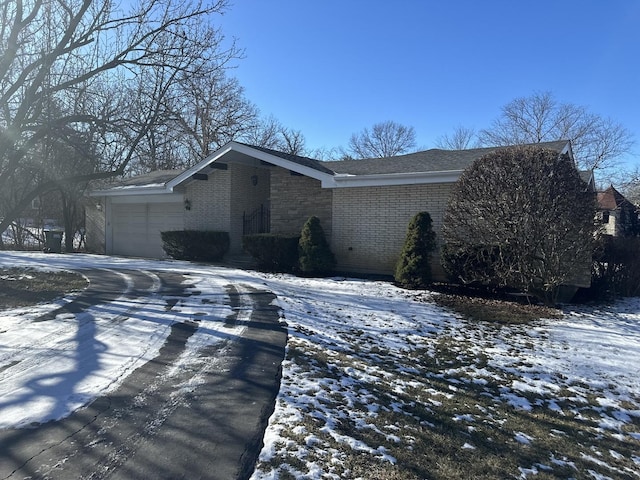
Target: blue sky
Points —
{"points": [[333, 67]]}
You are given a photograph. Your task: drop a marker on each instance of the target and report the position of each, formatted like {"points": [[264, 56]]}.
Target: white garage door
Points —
{"points": [[136, 227]]}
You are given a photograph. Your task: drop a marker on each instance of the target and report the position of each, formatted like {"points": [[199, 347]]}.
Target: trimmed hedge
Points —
{"points": [[195, 245], [273, 253]]}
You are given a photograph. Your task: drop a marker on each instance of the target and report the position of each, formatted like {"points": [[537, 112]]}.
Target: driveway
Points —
{"points": [[204, 421]]}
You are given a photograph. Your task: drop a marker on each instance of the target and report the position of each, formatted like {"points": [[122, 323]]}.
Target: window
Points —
{"points": [[605, 217]]}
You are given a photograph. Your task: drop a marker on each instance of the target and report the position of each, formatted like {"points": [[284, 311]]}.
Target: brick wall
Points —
{"points": [[370, 224], [246, 197], [209, 202], [294, 199], [219, 202]]}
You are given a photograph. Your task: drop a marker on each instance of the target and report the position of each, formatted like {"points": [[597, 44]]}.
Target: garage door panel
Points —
{"points": [[136, 227]]}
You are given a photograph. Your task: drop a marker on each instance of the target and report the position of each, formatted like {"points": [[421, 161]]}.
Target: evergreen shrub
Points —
{"points": [[413, 269], [314, 253]]}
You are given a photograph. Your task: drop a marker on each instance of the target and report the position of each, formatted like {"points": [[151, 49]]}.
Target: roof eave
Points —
{"points": [[388, 179], [124, 191], [281, 162], [251, 152]]}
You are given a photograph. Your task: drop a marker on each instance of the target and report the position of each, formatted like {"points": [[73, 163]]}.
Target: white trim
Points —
{"points": [[186, 175], [281, 162], [131, 190], [166, 198], [325, 178], [386, 179]]}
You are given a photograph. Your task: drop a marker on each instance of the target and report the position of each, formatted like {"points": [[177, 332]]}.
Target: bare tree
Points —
{"points": [[292, 142], [83, 69], [629, 183], [597, 142], [385, 139], [325, 153], [214, 111], [270, 133], [462, 138]]}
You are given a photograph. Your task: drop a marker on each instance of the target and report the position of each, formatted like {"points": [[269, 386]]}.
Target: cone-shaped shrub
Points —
{"points": [[314, 254], [413, 269]]}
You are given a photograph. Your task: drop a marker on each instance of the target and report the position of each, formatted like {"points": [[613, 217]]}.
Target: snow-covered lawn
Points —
{"points": [[379, 382]]}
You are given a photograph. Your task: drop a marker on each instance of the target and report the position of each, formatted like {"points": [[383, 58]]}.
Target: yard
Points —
{"points": [[383, 383]]}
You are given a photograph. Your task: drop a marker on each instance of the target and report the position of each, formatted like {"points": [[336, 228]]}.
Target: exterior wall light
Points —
{"points": [[187, 204]]}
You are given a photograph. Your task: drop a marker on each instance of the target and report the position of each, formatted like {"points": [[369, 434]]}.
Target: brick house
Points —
{"points": [[617, 215], [364, 205]]}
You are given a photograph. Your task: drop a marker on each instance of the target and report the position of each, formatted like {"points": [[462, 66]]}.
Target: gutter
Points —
{"points": [[388, 179]]}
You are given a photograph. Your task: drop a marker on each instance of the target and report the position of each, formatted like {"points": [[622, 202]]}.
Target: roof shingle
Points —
{"points": [[434, 160]]}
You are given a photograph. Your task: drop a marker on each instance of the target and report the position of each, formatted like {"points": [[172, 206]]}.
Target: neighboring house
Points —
{"points": [[618, 216], [364, 205]]}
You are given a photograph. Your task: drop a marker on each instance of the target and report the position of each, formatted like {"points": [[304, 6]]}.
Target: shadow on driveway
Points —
{"points": [[205, 422]]}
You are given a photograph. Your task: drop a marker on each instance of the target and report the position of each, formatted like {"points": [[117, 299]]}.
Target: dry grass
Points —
{"points": [[494, 308], [449, 427], [21, 287]]}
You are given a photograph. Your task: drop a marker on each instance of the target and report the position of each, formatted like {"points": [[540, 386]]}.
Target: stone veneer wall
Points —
{"points": [[294, 199], [370, 224]]}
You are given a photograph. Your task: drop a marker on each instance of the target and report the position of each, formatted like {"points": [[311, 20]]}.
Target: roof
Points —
{"points": [[158, 177], [304, 161], [611, 199], [429, 166], [434, 160]]}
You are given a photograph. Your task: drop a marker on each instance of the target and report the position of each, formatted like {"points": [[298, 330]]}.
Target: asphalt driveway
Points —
{"points": [[152, 426]]}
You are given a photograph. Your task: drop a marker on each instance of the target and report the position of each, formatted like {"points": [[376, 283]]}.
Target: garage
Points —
{"points": [[136, 227]]}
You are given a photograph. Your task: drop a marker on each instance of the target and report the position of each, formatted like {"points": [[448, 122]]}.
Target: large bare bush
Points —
{"points": [[522, 218]]}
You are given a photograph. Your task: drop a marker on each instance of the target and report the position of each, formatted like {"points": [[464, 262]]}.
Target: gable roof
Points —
{"points": [[612, 199], [297, 159], [429, 166]]}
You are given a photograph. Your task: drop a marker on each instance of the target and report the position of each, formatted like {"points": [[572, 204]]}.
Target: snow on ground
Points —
{"points": [[44, 376], [371, 331], [561, 365]]}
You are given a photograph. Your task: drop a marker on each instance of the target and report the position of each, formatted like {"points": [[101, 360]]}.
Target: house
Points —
{"points": [[617, 215], [364, 205]]}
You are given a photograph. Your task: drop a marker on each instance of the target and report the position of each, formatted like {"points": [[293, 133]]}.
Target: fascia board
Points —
{"points": [[187, 174], [281, 162], [124, 191], [387, 179], [170, 185], [251, 152]]}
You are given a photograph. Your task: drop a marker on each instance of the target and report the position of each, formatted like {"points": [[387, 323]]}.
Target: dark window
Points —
{"points": [[605, 217]]}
